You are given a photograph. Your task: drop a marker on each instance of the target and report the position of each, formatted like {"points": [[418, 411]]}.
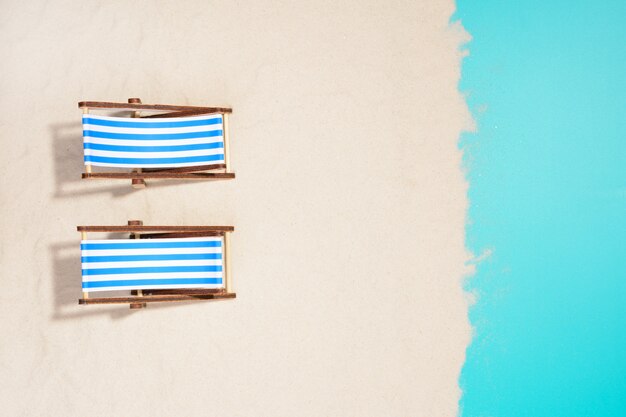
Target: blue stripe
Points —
{"points": [[153, 136], [155, 124], [153, 270], [133, 258], [154, 161], [152, 245], [175, 148], [146, 282]]}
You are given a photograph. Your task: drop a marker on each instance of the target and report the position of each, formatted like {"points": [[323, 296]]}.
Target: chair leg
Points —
{"points": [[138, 182]]}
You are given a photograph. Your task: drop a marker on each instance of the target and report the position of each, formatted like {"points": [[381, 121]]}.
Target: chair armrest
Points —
{"points": [[155, 107], [139, 229]]}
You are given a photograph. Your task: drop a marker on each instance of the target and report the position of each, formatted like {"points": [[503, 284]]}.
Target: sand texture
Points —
{"points": [[349, 207]]}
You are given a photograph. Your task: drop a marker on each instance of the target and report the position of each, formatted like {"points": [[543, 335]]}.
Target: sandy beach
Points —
{"points": [[349, 207]]}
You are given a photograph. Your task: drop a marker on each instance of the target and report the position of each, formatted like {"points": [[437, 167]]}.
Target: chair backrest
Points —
{"points": [[153, 142], [128, 264]]}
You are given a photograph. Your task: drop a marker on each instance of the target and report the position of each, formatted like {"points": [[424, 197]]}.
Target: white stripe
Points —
{"points": [[176, 154], [157, 119], [143, 142], [161, 275], [164, 240], [138, 264], [163, 251], [155, 287], [179, 164], [152, 130]]}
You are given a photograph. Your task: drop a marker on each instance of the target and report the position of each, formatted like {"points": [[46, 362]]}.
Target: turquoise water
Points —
{"points": [[547, 171]]}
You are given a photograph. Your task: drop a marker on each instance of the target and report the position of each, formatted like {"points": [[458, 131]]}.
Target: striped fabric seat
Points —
{"points": [[127, 264], [153, 142]]}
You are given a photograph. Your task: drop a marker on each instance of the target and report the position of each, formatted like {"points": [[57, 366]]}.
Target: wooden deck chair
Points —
{"points": [[182, 142], [157, 263]]}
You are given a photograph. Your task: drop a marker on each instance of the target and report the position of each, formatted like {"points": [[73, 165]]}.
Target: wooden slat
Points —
{"points": [[227, 273], [159, 107], [162, 175], [187, 169], [184, 291], [156, 298], [226, 135], [179, 235], [139, 229], [186, 113]]}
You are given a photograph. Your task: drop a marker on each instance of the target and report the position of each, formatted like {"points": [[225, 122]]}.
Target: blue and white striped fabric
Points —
{"points": [[153, 143], [127, 264]]}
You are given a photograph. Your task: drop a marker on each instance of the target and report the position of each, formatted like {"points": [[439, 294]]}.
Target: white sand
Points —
{"points": [[349, 205]]}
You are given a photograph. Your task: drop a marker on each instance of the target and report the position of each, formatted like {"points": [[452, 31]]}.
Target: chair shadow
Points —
{"points": [[66, 268], [66, 285], [67, 139]]}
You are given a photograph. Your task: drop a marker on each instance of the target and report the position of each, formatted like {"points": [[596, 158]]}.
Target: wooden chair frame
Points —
{"points": [[139, 175], [140, 298]]}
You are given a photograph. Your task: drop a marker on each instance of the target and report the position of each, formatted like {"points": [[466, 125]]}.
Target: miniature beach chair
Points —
{"points": [[157, 263], [181, 142]]}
